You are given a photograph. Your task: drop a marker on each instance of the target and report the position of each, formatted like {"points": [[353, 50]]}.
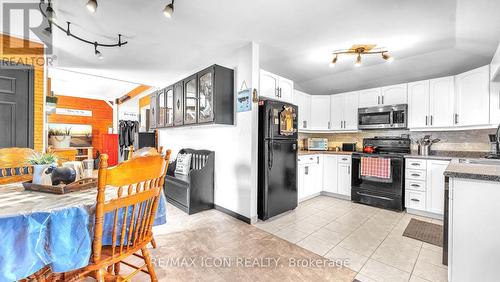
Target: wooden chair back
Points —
{"points": [[14, 166], [143, 152], [139, 183]]}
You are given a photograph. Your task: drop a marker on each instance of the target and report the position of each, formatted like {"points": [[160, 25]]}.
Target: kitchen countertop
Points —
{"points": [[306, 152], [473, 171], [448, 155]]}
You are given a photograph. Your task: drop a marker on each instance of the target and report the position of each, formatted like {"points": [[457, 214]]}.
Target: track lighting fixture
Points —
{"points": [[359, 50], [51, 14], [92, 6], [358, 60], [387, 57], [97, 53], [334, 61], [169, 10]]}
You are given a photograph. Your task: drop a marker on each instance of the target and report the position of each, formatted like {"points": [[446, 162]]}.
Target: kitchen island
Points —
{"points": [[473, 221]]}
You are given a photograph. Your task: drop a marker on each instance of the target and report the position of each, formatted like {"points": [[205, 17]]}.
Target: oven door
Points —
{"points": [[386, 193]]}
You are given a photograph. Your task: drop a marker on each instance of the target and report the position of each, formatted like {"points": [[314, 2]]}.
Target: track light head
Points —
{"points": [[47, 31], [92, 6], [358, 60], [334, 61], [169, 10], [51, 14], [387, 57]]}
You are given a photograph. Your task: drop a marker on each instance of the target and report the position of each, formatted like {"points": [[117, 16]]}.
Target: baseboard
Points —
{"points": [[330, 194], [233, 214], [425, 213], [309, 197]]}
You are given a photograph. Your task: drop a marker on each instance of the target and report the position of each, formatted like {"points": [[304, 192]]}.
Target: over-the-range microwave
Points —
{"points": [[385, 117]]}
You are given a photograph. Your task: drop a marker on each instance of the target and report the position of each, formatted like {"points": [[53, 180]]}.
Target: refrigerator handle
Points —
{"points": [[270, 155], [270, 126]]}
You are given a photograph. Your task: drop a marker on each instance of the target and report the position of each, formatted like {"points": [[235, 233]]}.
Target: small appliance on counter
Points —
{"points": [[349, 147], [378, 176], [494, 147], [316, 144]]}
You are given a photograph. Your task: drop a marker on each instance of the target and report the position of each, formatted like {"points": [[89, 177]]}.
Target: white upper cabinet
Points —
{"points": [[275, 87], [344, 111], [418, 104], [473, 97], [442, 101], [394, 94], [351, 110], [337, 111], [495, 102], [320, 112], [370, 98], [303, 101], [286, 89], [495, 66]]}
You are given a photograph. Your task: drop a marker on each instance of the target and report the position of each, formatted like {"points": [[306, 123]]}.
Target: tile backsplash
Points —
{"points": [[464, 140]]}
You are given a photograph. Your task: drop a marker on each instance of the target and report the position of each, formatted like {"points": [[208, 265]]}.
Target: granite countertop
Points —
{"points": [[448, 155], [306, 152], [473, 171]]}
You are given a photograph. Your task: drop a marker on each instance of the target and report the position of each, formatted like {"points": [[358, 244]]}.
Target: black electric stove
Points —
{"points": [[381, 192]]}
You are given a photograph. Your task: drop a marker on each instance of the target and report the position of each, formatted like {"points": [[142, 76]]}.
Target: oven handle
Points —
{"points": [[372, 196]]}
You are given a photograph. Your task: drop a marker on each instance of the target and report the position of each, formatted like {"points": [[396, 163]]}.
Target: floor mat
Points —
{"points": [[425, 231]]}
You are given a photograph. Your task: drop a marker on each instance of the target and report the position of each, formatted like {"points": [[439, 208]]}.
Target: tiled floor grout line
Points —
{"points": [[413, 269]]}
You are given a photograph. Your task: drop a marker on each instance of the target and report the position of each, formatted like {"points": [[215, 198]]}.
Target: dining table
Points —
{"points": [[40, 230]]}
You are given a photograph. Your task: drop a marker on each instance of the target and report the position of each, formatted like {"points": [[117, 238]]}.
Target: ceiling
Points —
{"points": [[69, 83], [428, 38]]}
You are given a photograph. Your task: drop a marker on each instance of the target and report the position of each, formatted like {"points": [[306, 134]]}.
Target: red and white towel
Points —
{"points": [[376, 167]]}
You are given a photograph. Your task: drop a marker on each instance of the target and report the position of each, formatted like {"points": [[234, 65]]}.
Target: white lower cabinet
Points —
{"points": [[424, 185], [330, 173], [323, 173]]}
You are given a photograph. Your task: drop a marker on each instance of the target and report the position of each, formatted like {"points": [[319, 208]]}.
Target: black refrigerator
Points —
{"points": [[277, 189]]}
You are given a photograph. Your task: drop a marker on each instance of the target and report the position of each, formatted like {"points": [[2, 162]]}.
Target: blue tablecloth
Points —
{"points": [[61, 238]]}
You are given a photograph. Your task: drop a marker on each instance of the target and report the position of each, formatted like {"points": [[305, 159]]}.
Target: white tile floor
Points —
{"points": [[370, 238]]}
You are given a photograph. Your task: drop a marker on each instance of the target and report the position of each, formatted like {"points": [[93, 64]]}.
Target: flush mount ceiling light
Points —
{"points": [[49, 14], [92, 6], [169, 10], [359, 50]]}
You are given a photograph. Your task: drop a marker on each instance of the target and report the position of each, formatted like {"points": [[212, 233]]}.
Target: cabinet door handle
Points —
{"points": [[415, 200], [382, 100], [415, 185], [378, 100], [304, 124], [432, 120], [345, 124], [328, 125], [317, 161], [306, 170], [415, 174], [426, 120], [344, 159], [456, 118], [348, 170], [415, 164], [340, 124]]}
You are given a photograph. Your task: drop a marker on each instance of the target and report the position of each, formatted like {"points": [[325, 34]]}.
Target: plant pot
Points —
{"points": [[60, 141], [39, 176]]}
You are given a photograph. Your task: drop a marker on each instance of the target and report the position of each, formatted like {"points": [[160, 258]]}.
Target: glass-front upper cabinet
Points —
{"points": [[179, 103], [161, 109], [190, 100], [169, 109], [206, 96]]}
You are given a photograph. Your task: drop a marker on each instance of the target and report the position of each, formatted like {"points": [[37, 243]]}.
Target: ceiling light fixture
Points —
{"points": [[97, 53], [387, 57], [334, 61], [92, 6], [49, 14], [169, 10], [358, 61], [359, 50]]}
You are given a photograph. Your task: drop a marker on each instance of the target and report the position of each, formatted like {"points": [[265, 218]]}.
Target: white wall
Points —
{"points": [[235, 146]]}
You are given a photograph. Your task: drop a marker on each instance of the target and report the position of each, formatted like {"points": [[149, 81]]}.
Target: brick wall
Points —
{"points": [[36, 60]]}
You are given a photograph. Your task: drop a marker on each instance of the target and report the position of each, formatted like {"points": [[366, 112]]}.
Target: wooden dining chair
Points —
{"points": [[14, 166], [139, 183]]}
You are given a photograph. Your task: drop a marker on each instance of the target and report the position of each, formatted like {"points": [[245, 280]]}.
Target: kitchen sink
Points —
{"points": [[479, 161]]}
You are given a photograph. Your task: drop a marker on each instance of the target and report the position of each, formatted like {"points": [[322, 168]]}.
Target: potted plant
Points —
{"points": [[60, 138], [40, 163]]}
